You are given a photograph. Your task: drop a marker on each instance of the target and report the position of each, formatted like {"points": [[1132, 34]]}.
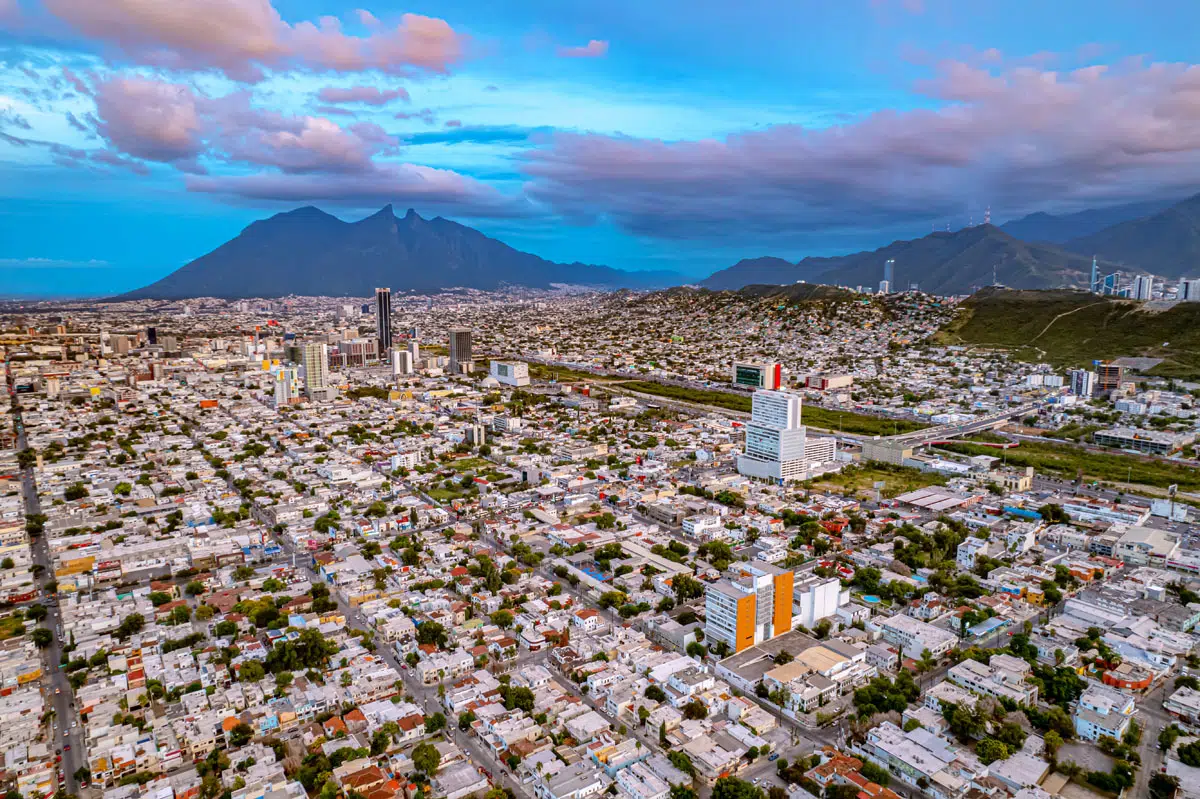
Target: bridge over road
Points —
{"points": [[895, 449]]}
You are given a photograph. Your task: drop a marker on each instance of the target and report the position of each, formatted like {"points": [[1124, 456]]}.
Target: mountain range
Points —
{"points": [[940, 263], [308, 252], [1166, 243], [1060, 229]]}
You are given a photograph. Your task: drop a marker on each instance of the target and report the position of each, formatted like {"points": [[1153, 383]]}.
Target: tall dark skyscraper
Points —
{"points": [[460, 350], [383, 321], [152, 336]]}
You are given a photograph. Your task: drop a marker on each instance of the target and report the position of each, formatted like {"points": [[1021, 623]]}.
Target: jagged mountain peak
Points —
{"points": [[307, 251]]}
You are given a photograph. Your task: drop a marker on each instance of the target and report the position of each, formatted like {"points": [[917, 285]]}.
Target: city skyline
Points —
{"points": [[668, 138]]}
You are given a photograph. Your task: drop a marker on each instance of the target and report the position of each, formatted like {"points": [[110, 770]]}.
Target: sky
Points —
{"points": [[136, 135]]}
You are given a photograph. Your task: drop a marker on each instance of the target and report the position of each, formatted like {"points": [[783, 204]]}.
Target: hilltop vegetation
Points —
{"points": [[1073, 328]]}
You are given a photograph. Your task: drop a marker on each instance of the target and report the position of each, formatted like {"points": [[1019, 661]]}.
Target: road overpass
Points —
{"points": [[977, 425]]}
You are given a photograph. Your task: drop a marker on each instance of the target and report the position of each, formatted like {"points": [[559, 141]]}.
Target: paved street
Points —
{"points": [[1154, 719], [425, 696], [56, 687]]}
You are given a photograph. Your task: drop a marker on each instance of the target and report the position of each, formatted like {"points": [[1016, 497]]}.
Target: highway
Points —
{"points": [[65, 733], [955, 430]]}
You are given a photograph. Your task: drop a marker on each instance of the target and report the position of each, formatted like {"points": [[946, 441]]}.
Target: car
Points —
{"points": [[57, 691], [74, 724], [67, 748], [66, 733], [757, 780], [774, 756]]}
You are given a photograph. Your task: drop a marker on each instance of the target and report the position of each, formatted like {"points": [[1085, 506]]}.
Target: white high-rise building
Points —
{"points": [[1189, 290], [314, 359], [776, 440], [402, 363], [816, 598], [1083, 382], [1143, 287]]}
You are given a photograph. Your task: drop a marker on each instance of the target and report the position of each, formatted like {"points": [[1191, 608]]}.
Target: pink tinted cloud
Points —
{"points": [[1018, 139], [426, 115], [149, 119], [596, 48], [367, 95], [406, 184], [277, 156], [454, 123], [241, 38]]}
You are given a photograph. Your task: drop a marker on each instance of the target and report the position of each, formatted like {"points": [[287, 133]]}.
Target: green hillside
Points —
{"points": [[1074, 328]]}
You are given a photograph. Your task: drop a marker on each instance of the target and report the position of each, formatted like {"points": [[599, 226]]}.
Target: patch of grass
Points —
{"points": [[540, 371], [468, 465], [899, 479], [858, 423], [1073, 328], [1075, 431], [700, 396], [11, 626], [443, 494], [824, 418], [1066, 461]]}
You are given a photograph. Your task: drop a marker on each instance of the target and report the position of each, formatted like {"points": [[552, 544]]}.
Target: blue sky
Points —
{"points": [[663, 135]]}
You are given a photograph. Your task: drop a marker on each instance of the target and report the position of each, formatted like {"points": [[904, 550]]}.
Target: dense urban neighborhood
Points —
{"points": [[561, 544]]}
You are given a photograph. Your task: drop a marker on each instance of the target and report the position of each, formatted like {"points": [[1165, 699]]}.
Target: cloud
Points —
{"points": [[454, 123], [477, 134], [596, 48], [241, 38], [1013, 138], [262, 154], [426, 115], [9, 118], [109, 158], [172, 123], [149, 119], [50, 263], [404, 184], [78, 124], [367, 95]]}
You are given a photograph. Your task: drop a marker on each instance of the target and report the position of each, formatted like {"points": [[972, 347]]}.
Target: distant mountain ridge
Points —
{"points": [[312, 253], [1165, 243], [1062, 228], [940, 263]]}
